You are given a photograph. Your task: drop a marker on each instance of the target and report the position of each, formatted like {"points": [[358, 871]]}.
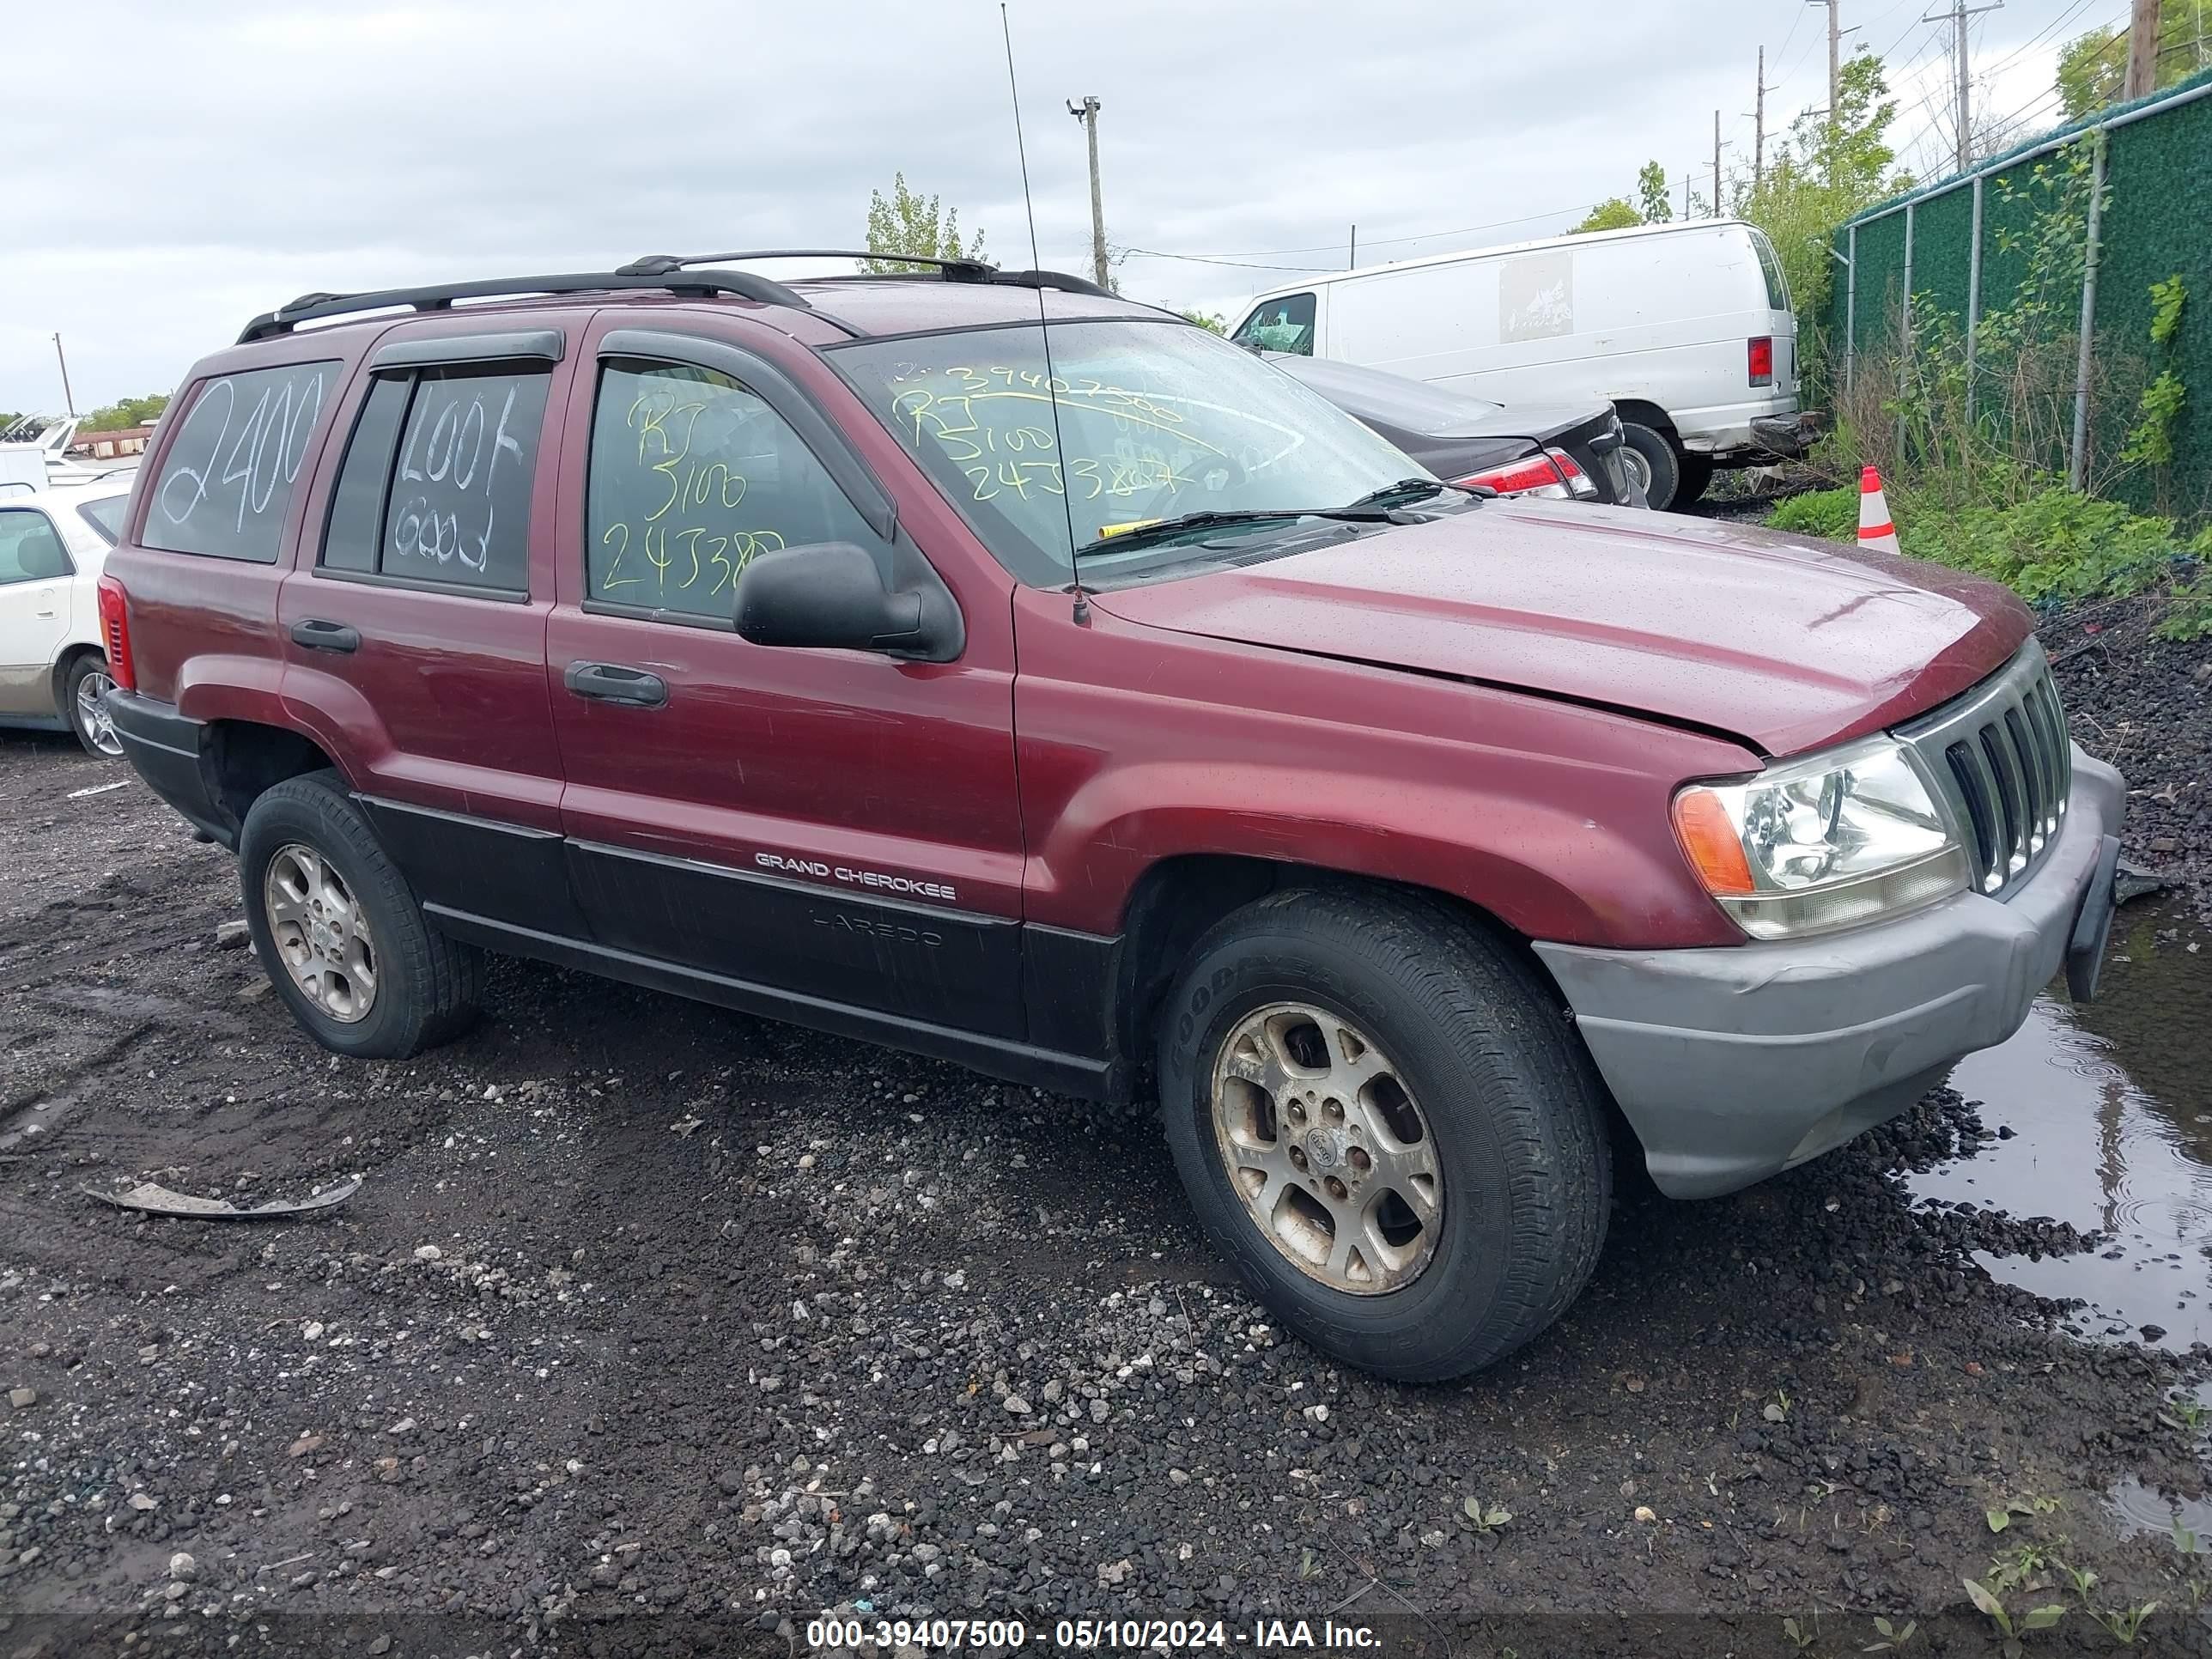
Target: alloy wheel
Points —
{"points": [[320, 932], [92, 716], [1325, 1144]]}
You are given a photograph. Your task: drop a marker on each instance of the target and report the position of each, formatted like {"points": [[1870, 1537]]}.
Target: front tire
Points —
{"points": [[84, 690], [1384, 1120], [339, 933]]}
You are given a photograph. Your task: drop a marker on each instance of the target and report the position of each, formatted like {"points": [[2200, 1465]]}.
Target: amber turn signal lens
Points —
{"points": [[1715, 851]]}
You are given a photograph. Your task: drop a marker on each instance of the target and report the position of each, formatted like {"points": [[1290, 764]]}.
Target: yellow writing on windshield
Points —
{"points": [[1149, 445]]}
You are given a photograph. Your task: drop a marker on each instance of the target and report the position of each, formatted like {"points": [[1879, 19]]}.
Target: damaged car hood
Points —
{"points": [[1786, 643]]}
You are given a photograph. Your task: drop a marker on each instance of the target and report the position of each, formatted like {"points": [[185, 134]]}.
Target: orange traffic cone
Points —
{"points": [[1876, 530]]}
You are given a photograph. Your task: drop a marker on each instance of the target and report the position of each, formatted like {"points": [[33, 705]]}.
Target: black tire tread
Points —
{"points": [[1662, 458], [441, 977], [1472, 982]]}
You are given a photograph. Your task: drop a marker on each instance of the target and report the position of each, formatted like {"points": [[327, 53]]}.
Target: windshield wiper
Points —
{"points": [[1143, 535], [1414, 489]]}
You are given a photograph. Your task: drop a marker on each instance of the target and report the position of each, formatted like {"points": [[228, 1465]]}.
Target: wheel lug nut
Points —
{"points": [[1333, 1111], [1360, 1161], [1298, 1157], [1336, 1187]]}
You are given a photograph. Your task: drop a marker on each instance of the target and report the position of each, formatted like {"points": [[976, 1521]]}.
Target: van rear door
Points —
{"points": [[1782, 322]]}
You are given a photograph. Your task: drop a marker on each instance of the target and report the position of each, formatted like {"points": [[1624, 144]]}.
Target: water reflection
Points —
{"points": [[2111, 1110]]}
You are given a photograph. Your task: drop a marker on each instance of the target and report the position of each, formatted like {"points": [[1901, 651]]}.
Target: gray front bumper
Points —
{"points": [[1734, 1063]]}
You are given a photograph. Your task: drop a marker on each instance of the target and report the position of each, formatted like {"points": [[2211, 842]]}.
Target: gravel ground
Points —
{"points": [[655, 1329], [2145, 704]]}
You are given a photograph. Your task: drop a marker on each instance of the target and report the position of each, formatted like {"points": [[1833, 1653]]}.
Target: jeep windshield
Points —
{"points": [[1157, 421]]}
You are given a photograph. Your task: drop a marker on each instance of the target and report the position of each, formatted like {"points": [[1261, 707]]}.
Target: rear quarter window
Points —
{"points": [[106, 516], [227, 480]]}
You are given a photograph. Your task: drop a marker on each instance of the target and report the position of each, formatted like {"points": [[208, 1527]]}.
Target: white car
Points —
{"points": [[1685, 329], [53, 673]]}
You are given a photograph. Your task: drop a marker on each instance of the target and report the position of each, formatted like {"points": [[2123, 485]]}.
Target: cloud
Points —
{"points": [[180, 167]]}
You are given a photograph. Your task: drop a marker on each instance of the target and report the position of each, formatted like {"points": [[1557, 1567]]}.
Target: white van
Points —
{"points": [[1686, 328]]}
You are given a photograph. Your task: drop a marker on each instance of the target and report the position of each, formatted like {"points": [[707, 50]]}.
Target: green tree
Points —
{"points": [[2092, 67], [1612, 214], [1651, 194], [1211, 321], [1825, 172], [906, 222], [124, 412]]}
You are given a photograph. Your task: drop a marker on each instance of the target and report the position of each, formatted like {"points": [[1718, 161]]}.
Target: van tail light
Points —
{"points": [[1550, 472], [1758, 354], [115, 634]]}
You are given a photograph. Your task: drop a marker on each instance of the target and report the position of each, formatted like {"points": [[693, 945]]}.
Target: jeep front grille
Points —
{"points": [[2003, 762]]}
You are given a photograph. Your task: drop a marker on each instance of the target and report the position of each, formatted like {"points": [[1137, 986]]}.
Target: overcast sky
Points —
{"points": [[174, 168]]}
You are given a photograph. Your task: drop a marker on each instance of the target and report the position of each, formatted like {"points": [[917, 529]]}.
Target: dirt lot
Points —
{"points": [[654, 1329]]}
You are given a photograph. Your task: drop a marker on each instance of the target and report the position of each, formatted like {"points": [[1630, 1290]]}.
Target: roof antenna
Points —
{"points": [[1044, 331]]}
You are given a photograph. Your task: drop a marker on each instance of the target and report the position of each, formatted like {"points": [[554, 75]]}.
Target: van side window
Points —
{"points": [[227, 481], [691, 476], [436, 485], [1283, 324]]}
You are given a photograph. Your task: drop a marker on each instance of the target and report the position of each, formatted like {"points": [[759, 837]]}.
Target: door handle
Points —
{"points": [[613, 682], [317, 635]]}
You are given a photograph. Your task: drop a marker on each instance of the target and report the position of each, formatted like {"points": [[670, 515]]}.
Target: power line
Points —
{"points": [[1330, 247]]}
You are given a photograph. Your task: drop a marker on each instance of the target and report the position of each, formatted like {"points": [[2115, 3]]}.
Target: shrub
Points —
{"points": [[2053, 547], [1832, 514]]}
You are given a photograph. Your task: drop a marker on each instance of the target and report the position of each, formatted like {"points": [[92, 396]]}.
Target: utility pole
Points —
{"points": [[1956, 15], [1759, 128], [68, 397], [1087, 112], [1835, 53], [1686, 171], [1716, 164], [2143, 48], [1352, 258]]}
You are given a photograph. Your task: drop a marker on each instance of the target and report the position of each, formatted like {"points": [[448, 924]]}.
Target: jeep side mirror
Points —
{"points": [[832, 595]]}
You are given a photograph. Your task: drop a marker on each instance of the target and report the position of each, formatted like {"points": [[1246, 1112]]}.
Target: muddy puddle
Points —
{"points": [[2110, 1110]]}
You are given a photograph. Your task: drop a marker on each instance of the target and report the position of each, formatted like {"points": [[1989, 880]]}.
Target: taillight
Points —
{"points": [[1531, 475], [1760, 355], [1579, 482], [115, 634]]}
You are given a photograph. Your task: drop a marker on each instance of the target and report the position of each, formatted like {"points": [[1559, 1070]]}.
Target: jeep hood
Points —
{"points": [[1784, 643]]}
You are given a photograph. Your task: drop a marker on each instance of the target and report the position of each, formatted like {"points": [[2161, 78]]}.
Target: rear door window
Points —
{"points": [[436, 485], [227, 481], [1283, 324], [30, 547], [693, 476]]}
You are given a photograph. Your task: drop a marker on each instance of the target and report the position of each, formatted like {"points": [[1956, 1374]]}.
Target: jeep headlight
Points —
{"points": [[1820, 842]]}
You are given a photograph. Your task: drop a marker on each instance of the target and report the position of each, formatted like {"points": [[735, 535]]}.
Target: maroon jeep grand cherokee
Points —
{"points": [[726, 637]]}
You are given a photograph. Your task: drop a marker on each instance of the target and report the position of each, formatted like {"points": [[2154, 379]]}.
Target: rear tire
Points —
{"points": [[339, 933], [82, 688], [1500, 1093], [1656, 458], [1697, 475]]}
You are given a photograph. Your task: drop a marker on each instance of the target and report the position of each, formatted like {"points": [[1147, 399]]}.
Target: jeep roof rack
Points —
{"points": [[950, 270], [672, 277]]}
